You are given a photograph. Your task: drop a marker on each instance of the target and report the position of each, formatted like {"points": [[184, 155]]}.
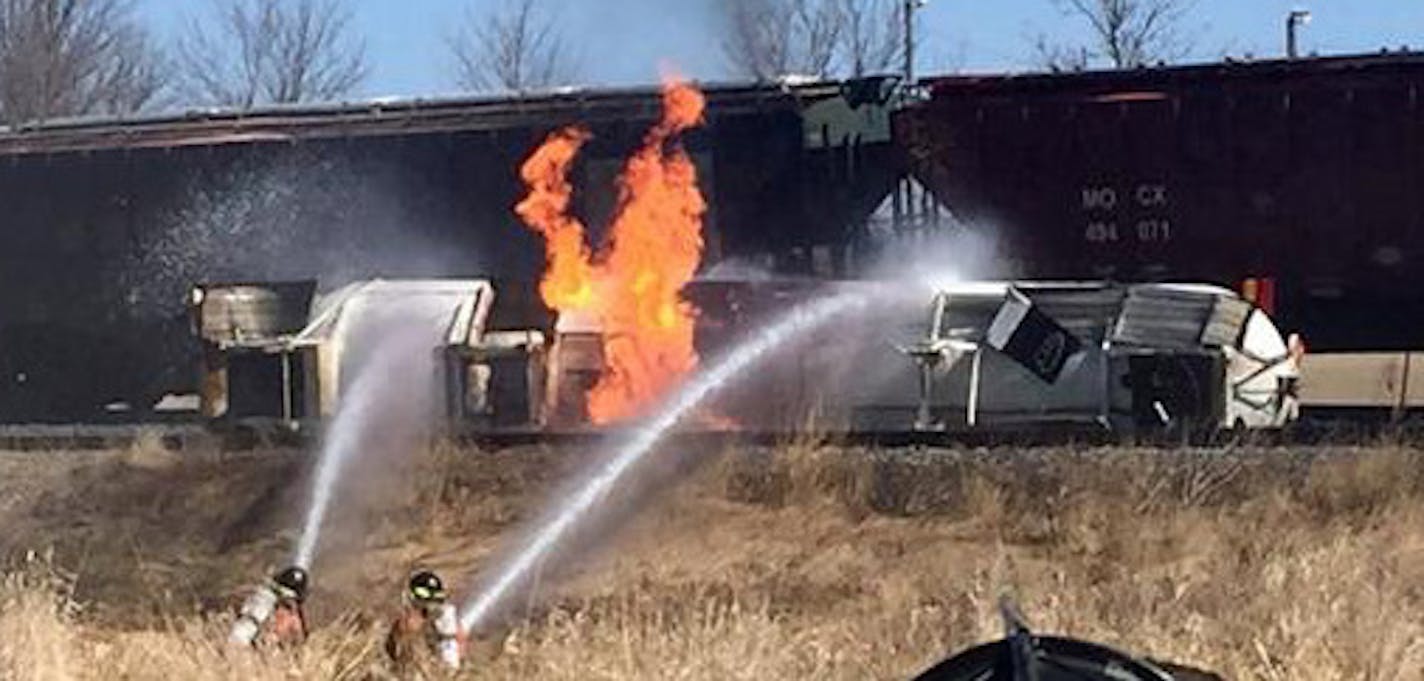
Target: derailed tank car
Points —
{"points": [[1190, 359], [276, 356], [975, 357], [987, 357]]}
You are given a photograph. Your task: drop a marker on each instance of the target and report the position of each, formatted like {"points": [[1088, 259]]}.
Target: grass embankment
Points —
{"points": [[807, 561]]}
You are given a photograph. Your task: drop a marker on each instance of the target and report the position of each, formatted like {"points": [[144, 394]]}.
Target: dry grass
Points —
{"points": [[819, 560]]}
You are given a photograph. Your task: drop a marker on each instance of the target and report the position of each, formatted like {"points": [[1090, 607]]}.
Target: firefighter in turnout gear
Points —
{"points": [[428, 628], [273, 614]]}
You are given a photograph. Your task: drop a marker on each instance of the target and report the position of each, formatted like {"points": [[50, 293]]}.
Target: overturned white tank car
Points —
{"points": [[972, 357], [1187, 358]]}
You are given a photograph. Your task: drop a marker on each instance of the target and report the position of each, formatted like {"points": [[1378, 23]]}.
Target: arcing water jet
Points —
{"points": [[801, 318], [341, 445], [390, 351]]}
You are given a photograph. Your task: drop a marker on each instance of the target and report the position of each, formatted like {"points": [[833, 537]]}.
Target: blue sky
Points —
{"points": [[623, 41]]}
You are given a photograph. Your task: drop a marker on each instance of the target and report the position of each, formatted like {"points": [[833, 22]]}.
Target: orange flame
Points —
{"points": [[654, 247], [568, 282]]}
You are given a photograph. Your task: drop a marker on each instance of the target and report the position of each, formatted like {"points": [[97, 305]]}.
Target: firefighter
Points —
{"points": [[427, 627], [273, 614]]}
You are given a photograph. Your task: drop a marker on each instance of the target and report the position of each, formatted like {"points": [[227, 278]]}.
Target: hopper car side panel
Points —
{"points": [[1305, 173], [102, 247]]}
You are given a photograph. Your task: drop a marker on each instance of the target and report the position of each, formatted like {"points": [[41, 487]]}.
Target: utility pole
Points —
{"points": [[1294, 20], [905, 213], [910, 7]]}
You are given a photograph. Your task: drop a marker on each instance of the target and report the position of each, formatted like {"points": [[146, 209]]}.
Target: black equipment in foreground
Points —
{"points": [[1024, 656]]}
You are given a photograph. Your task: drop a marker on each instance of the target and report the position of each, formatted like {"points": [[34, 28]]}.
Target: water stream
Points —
{"points": [[522, 567], [389, 374]]}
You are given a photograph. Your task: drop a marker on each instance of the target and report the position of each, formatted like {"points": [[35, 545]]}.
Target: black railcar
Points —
{"points": [[1302, 175]]}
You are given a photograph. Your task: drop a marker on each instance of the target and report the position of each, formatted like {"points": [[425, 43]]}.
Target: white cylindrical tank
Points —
{"points": [[255, 611]]}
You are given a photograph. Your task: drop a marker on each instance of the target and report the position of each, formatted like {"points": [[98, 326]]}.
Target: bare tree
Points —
{"points": [[250, 52], [1127, 33], [136, 75], [768, 39], [873, 39], [512, 48], [1060, 58], [74, 57]]}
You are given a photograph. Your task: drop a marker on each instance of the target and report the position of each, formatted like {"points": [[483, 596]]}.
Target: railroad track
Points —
{"points": [[1324, 427]]}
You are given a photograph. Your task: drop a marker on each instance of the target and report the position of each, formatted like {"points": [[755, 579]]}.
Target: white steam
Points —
{"points": [[940, 258]]}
